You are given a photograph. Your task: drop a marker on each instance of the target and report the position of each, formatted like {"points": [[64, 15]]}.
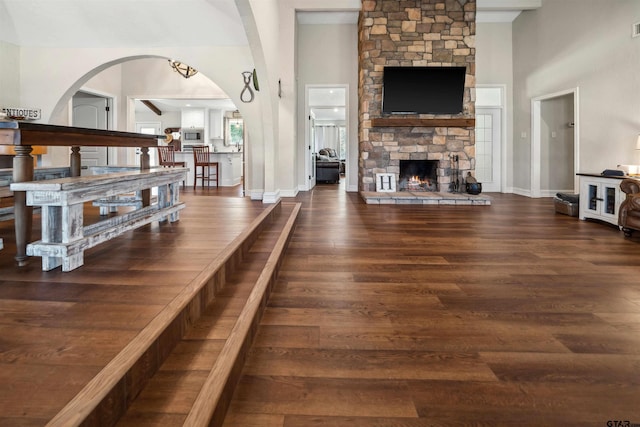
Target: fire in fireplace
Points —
{"points": [[418, 175]]}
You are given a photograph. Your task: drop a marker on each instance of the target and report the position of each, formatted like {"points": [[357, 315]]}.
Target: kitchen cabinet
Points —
{"points": [[216, 124], [193, 118], [600, 197]]}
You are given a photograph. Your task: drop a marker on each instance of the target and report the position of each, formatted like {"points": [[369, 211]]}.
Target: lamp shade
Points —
{"points": [[638, 143]]}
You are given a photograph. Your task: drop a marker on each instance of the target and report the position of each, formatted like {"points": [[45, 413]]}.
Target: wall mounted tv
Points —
{"points": [[423, 90]]}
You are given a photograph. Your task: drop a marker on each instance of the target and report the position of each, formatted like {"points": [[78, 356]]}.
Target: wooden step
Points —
{"points": [[195, 384], [105, 399]]}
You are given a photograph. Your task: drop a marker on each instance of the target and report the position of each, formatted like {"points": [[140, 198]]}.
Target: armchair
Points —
{"points": [[629, 212]]}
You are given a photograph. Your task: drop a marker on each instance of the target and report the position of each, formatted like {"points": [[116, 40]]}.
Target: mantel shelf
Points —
{"points": [[413, 122]]}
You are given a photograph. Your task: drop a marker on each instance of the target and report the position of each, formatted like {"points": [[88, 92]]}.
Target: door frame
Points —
{"points": [[310, 151], [536, 139], [111, 116], [309, 147], [503, 130]]}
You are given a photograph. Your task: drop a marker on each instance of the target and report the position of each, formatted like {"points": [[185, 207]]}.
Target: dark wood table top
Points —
{"points": [[54, 135]]}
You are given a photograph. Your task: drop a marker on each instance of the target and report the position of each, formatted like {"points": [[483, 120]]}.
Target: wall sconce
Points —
{"points": [[184, 70]]}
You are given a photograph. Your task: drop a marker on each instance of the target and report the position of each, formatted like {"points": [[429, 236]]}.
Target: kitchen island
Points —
{"points": [[230, 164]]}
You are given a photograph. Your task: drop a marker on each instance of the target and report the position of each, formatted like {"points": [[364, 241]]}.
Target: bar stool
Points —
{"points": [[167, 158], [201, 159]]}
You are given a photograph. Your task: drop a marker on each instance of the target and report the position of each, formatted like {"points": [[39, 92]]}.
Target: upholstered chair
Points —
{"points": [[629, 212]]}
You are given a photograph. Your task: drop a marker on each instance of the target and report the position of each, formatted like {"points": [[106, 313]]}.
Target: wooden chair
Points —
{"points": [[167, 158], [201, 160]]}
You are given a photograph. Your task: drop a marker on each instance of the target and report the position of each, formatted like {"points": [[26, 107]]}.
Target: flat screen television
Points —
{"points": [[423, 90]]}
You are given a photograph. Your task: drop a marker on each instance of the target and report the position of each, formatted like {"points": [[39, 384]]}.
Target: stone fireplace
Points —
{"points": [[414, 33]]}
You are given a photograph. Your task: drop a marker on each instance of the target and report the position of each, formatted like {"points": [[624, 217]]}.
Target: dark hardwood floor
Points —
{"points": [[508, 314], [382, 315], [59, 330]]}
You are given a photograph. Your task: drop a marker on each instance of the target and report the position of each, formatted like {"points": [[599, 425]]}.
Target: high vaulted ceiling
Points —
{"points": [[121, 23], [162, 23], [165, 23]]}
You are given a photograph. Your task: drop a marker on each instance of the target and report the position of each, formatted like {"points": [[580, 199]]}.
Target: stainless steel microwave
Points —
{"points": [[193, 135]]}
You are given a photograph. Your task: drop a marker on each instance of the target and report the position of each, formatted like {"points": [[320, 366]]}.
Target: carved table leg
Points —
{"points": [[75, 161], [22, 171], [145, 163]]}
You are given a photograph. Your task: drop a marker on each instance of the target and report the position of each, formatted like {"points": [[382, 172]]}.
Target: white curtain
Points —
{"points": [[327, 136]]}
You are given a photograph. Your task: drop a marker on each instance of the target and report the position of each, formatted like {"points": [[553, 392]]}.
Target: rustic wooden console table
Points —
{"points": [[23, 136], [65, 236]]}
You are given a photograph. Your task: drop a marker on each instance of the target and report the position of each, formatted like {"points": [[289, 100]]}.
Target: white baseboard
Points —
{"points": [[270, 197], [256, 194], [289, 193], [521, 192]]}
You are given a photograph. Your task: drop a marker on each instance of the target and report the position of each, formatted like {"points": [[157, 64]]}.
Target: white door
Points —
{"points": [[488, 148], [148, 128], [90, 111]]}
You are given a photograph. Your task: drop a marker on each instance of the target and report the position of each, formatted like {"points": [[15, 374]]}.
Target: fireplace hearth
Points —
{"points": [[418, 175]]}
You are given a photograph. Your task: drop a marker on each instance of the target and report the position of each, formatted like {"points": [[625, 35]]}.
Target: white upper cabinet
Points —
{"points": [[193, 118], [216, 126]]}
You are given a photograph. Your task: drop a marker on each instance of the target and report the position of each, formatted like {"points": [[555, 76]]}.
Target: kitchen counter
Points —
{"points": [[230, 164]]}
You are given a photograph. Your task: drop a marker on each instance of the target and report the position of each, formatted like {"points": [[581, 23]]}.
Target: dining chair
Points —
{"points": [[167, 158], [201, 160]]}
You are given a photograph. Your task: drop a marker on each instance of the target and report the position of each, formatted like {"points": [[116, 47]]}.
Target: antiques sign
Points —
{"points": [[22, 113]]}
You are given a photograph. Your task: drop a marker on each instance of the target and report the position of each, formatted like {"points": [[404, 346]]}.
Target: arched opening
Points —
{"points": [[145, 93]]}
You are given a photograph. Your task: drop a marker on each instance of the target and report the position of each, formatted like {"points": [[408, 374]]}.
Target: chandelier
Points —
{"points": [[184, 70]]}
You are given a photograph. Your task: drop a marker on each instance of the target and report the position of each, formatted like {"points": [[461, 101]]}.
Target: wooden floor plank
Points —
{"points": [[509, 314], [366, 364], [202, 370], [58, 330], [276, 395]]}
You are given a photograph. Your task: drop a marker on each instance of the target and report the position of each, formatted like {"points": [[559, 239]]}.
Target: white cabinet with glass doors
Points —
{"points": [[600, 197]]}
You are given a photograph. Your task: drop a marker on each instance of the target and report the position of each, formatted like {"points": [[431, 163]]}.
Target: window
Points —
{"points": [[234, 132], [343, 141]]}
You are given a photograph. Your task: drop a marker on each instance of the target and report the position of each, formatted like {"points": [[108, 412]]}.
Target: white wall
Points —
{"points": [[328, 55], [556, 145], [168, 119], [261, 22], [154, 77], [585, 44], [289, 151], [48, 82], [10, 76], [290, 134], [494, 66]]}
